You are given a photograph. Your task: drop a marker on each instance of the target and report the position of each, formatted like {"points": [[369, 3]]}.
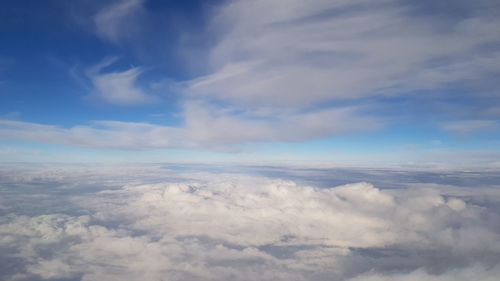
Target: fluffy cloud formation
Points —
{"points": [[258, 213], [206, 226]]}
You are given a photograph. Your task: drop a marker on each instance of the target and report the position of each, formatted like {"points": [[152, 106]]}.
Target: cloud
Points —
{"points": [[13, 115], [278, 77], [117, 87], [493, 111], [297, 55], [472, 273], [254, 213], [101, 134], [298, 72], [211, 124], [471, 126], [118, 20], [203, 128], [221, 226]]}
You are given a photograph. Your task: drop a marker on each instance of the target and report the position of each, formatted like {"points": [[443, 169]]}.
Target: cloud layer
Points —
{"points": [[206, 226]]}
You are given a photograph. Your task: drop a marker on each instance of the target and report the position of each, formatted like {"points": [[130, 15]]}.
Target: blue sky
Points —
{"points": [[341, 82]]}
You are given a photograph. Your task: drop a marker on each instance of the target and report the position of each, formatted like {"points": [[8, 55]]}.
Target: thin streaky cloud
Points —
{"points": [[118, 87], [116, 21], [471, 126]]}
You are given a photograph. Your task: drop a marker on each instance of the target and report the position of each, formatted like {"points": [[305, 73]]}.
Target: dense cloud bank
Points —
{"points": [[165, 225]]}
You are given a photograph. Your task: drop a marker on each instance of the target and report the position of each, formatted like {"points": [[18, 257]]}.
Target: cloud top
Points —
{"points": [[218, 226]]}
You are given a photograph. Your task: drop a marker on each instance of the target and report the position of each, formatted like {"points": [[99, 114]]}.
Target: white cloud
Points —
{"points": [[471, 126], [102, 134], [118, 20], [217, 226], [203, 128], [258, 212], [493, 111], [118, 87], [297, 55], [478, 273], [216, 126]]}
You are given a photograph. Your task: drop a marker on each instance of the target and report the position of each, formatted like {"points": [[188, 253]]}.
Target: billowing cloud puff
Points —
{"points": [[206, 226]]}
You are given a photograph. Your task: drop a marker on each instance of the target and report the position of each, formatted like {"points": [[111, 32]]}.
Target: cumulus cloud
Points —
{"points": [[218, 226], [284, 212]]}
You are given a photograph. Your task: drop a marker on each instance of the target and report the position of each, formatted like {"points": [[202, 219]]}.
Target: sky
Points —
{"points": [[326, 82], [242, 140]]}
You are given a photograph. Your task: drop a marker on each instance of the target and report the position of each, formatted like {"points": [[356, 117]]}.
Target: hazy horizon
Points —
{"points": [[322, 140]]}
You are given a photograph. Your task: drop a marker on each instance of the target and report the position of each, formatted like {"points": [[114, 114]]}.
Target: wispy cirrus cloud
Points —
{"points": [[212, 124], [203, 128], [117, 87], [471, 126], [118, 20], [100, 134], [297, 55]]}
